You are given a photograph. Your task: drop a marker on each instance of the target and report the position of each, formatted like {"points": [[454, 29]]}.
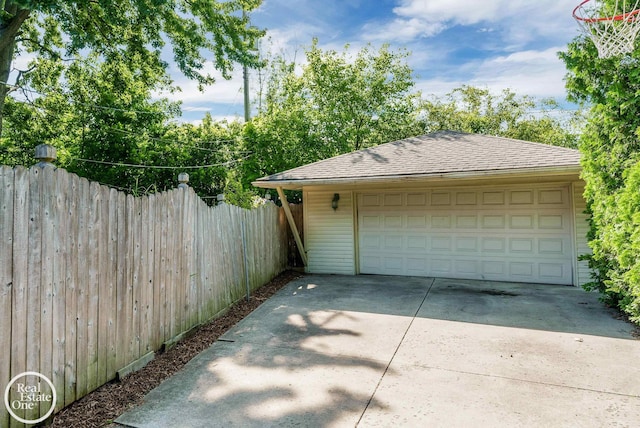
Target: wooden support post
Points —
{"points": [[292, 225]]}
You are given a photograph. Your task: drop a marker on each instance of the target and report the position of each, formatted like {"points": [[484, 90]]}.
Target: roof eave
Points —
{"points": [[567, 170]]}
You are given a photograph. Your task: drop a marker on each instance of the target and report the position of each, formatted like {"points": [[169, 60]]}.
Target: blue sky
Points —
{"points": [[493, 44]]}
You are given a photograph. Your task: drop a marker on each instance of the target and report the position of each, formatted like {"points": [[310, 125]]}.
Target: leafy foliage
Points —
{"points": [[610, 147], [336, 104], [476, 110], [132, 29], [100, 114]]}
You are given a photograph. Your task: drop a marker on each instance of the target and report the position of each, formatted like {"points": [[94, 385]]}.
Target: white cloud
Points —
{"points": [[459, 11], [535, 73], [196, 109], [521, 21]]}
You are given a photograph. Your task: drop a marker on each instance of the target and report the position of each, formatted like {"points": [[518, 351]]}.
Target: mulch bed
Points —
{"points": [[106, 403]]}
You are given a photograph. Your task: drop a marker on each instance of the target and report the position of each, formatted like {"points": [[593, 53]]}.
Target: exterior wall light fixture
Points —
{"points": [[334, 201]]}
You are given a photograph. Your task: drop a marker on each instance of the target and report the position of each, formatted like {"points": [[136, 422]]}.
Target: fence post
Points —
{"points": [[220, 198], [45, 154], [183, 179], [244, 255]]}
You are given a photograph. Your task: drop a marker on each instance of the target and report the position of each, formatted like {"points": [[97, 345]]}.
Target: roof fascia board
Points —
{"points": [[570, 170]]}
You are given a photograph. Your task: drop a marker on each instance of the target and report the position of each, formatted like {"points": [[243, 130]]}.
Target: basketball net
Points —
{"points": [[612, 25]]}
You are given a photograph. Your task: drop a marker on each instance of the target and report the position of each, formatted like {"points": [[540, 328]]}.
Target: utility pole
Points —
{"points": [[247, 107], [245, 76]]}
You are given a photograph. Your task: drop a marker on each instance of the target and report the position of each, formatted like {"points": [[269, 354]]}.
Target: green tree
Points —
{"points": [[100, 114], [334, 105], [476, 110], [131, 28], [610, 147]]}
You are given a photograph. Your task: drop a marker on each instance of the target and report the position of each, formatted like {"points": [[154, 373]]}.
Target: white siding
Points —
{"points": [[581, 229], [329, 234]]}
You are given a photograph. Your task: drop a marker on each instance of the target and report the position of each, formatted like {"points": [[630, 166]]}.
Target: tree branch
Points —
{"points": [[9, 31]]}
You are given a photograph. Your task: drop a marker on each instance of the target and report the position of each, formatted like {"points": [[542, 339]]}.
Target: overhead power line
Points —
{"points": [[129, 165]]}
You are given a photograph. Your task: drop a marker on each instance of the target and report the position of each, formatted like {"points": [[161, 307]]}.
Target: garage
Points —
{"points": [[447, 204], [505, 234]]}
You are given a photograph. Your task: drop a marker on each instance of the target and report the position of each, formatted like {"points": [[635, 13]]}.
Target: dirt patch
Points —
{"points": [[106, 403], [498, 293]]}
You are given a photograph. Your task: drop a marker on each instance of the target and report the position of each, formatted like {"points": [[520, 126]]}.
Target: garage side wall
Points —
{"points": [[329, 233], [581, 229]]}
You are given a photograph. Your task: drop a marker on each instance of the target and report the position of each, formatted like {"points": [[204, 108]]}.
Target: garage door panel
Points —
{"points": [[466, 244], [370, 221], [493, 221], [441, 199], [551, 221], [493, 198], [502, 234], [466, 268], [555, 197], [416, 199], [417, 243], [551, 246], [370, 242], [495, 245], [392, 200], [551, 271], [466, 198], [441, 222], [416, 221], [393, 243], [492, 269], [521, 221], [441, 266], [521, 197], [466, 222], [440, 244], [522, 246], [522, 270]]}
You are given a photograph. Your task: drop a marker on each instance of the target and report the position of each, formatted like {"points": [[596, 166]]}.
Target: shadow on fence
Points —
{"points": [[93, 280]]}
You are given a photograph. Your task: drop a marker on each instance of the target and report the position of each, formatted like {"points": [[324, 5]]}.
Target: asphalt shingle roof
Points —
{"points": [[439, 153]]}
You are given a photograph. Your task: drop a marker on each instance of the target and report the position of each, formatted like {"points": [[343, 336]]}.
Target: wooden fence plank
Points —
{"points": [[34, 286], [71, 289], [6, 278], [146, 277], [190, 293], [158, 274], [136, 289], [60, 221], [92, 258], [83, 288], [48, 213], [204, 287], [208, 260], [170, 323], [180, 278], [105, 287], [130, 341], [20, 281], [112, 288]]}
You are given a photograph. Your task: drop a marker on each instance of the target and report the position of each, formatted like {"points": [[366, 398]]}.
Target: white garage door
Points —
{"points": [[521, 235]]}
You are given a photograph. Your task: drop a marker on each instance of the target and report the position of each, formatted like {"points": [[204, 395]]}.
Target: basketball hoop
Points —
{"points": [[612, 25]]}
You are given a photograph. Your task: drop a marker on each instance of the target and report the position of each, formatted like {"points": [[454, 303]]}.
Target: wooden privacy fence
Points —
{"points": [[93, 280]]}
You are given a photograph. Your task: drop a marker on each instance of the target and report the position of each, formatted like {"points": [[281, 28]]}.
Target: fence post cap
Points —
{"points": [[45, 154], [183, 179], [220, 198]]}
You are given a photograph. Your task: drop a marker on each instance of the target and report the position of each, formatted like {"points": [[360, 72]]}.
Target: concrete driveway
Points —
{"points": [[392, 351]]}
